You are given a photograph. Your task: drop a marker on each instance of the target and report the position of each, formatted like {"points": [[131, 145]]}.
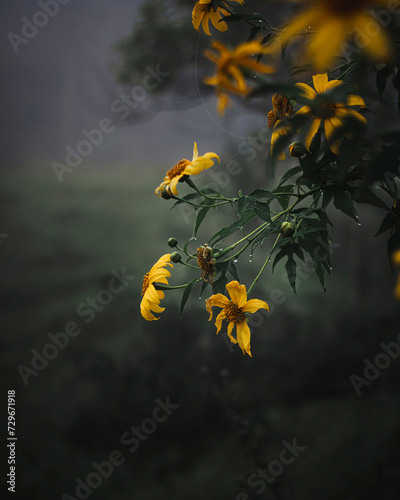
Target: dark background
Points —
{"points": [[61, 243]]}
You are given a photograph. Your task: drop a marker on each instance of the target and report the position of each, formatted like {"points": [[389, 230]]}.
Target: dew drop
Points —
{"points": [[199, 298], [358, 224], [251, 258], [235, 260]]}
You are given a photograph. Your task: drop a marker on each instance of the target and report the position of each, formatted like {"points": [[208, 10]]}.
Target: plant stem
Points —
{"points": [[264, 265]]}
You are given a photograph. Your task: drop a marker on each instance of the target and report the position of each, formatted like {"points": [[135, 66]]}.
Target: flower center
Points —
{"points": [[178, 169], [325, 109], [206, 262], [145, 283], [234, 313], [343, 7]]}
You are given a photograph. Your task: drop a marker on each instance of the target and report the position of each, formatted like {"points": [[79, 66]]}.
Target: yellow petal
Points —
{"points": [[230, 328], [216, 16], [396, 257], [254, 305], [204, 23], [174, 183], [378, 43], [333, 83], [218, 323], [326, 44], [243, 336], [305, 110], [195, 152], [331, 125], [355, 100], [306, 91], [217, 300], [151, 295], [237, 293], [320, 82], [313, 130], [299, 24]]}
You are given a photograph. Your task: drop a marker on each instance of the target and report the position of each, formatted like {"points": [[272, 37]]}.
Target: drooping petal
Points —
{"points": [[243, 337], [174, 183], [343, 112], [204, 23], [254, 305], [151, 294], [195, 152], [331, 125], [305, 110], [230, 328], [313, 130], [217, 300], [216, 16], [320, 82], [237, 293], [218, 322], [333, 83]]}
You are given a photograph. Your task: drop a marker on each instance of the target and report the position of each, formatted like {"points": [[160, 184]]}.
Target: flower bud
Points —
{"points": [[297, 149], [166, 193], [172, 242], [288, 229], [175, 257]]}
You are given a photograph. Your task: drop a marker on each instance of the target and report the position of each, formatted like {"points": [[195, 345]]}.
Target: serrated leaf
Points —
{"points": [[365, 195], [186, 294], [285, 251]]}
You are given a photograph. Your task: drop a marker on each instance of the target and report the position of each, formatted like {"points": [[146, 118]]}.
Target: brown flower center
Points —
{"points": [[343, 7], [178, 169], [272, 119], [281, 105], [234, 313], [145, 283]]}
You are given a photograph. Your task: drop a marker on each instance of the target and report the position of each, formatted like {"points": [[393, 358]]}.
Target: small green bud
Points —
{"points": [[297, 149], [166, 193], [288, 229], [175, 257], [172, 242]]}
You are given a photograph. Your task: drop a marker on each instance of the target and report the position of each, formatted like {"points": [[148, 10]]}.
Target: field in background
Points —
{"points": [[64, 243]]}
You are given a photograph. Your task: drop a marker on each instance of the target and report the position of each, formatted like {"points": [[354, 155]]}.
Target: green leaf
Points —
{"points": [[289, 174], [365, 195], [186, 293], [201, 215], [381, 79], [242, 204], [344, 202], [291, 272], [209, 190], [232, 270], [283, 200], [388, 223], [262, 210], [203, 287], [226, 231], [188, 197], [259, 193], [284, 252]]}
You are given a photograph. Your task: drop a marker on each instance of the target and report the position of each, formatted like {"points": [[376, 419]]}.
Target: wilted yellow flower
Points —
{"points": [[152, 297], [185, 168], [206, 10], [206, 262], [334, 20], [229, 77], [234, 311], [281, 107], [331, 114]]}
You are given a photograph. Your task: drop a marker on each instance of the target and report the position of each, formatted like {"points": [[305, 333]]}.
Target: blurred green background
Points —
{"points": [[61, 245]]}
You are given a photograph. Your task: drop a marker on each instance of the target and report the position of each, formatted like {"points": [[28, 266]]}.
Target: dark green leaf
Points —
{"points": [[365, 195], [232, 270], [262, 210], [201, 215], [186, 293], [388, 223], [291, 272], [344, 202]]}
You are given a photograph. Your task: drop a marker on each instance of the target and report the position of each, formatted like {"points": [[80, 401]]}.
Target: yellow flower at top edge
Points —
{"points": [[396, 261], [229, 77], [185, 168], [331, 114], [206, 10], [281, 108], [234, 311], [152, 297], [334, 20]]}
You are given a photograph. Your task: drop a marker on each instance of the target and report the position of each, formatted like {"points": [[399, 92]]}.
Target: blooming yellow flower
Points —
{"points": [[185, 168], [281, 107], [334, 20], [229, 77], [152, 297], [331, 114], [234, 311], [205, 11]]}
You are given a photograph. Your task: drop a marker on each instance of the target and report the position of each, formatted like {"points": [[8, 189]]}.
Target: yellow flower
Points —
{"points": [[229, 76], [152, 297], [205, 11], [281, 107], [234, 311], [331, 114], [334, 20], [185, 168]]}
